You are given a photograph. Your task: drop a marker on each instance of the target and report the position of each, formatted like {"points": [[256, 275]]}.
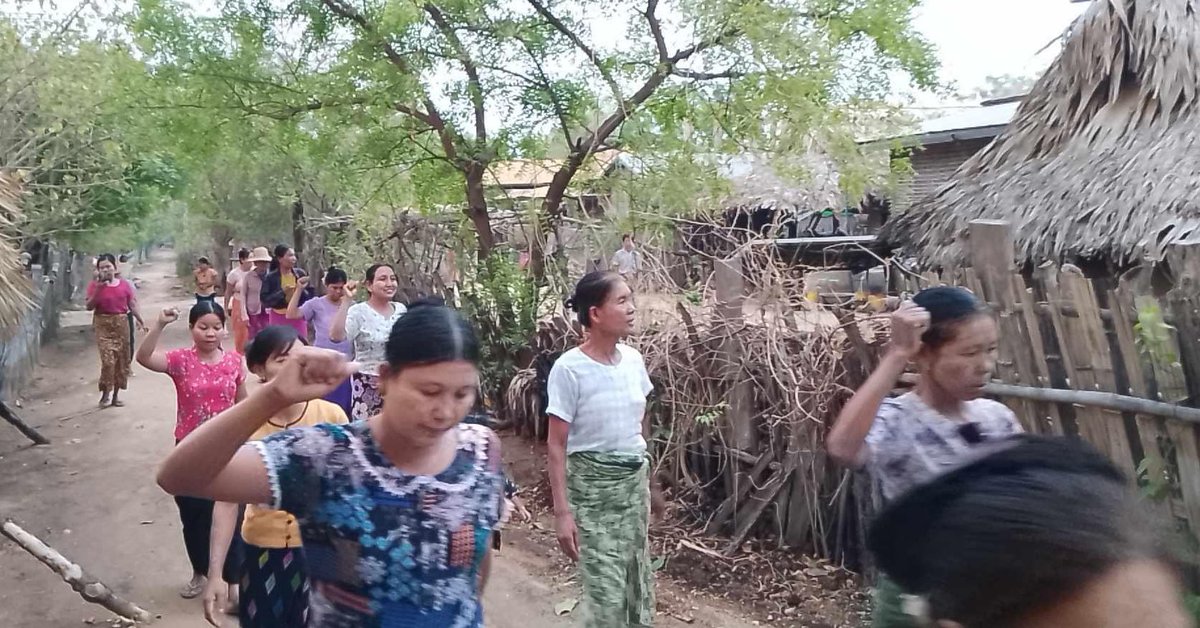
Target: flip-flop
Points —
{"points": [[118, 404], [193, 588]]}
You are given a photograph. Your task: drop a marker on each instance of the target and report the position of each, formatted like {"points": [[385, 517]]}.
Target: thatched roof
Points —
{"points": [[530, 178], [15, 288], [1103, 158]]}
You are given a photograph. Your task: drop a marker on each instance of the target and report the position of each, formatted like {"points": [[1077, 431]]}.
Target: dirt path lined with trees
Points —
{"points": [[91, 495]]}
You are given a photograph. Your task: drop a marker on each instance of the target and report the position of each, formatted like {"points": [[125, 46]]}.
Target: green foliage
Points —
{"points": [[503, 301], [1154, 336]]}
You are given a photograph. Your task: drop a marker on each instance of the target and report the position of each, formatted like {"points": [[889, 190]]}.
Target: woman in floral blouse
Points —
{"points": [[208, 380], [396, 512]]}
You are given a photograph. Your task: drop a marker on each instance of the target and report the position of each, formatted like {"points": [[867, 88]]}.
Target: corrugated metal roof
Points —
{"points": [[972, 118]]}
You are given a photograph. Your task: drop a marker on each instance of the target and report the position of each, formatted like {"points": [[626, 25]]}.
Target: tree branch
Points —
{"points": [[660, 42], [563, 29], [430, 116], [474, 87], [709, 76]]}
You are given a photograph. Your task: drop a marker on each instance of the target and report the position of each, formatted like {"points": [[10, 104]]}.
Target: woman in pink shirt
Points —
{"points": [[208, 380], [111, 300]]}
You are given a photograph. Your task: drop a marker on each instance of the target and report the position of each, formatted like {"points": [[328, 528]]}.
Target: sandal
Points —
{"points": [[193, 588], [117, 404], [104, 402]]}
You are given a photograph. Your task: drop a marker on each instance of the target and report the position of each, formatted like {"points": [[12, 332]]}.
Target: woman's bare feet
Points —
{"points": [[193, 588]]}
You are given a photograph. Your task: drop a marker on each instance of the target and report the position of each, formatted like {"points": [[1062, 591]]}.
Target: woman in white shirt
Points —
{"points": [[367, 326], [599, 469]]}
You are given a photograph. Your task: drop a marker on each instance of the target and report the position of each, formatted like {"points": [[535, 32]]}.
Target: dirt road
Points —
{"points": [[91, 495]]}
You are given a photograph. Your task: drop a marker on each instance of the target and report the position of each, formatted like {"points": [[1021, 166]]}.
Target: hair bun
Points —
{"points": [[427, 301]]}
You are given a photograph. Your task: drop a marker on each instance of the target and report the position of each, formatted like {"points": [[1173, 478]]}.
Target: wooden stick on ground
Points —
{"points": [[86, 585], [29, 432]]}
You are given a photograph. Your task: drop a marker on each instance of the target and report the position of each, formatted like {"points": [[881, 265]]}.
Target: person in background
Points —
{"points": [[251, 290], [1039, 533], [321, 312], [598, 464], [208, 380], [112, 301], [367, 327], [396, 512], [206, 280], [911, 439], [125, 271], [626, 260], [235, 305], [278, 286], [274, 584]]}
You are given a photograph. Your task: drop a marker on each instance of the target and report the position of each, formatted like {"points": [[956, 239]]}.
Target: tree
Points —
{"points": [[459, 84]]}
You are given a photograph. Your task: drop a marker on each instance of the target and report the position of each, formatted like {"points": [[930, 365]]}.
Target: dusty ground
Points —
{"points": [[91, 495]]}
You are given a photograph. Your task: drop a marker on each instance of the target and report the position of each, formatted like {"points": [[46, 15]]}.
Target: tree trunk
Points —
{"points": [[551, 213], [477, 208], [298, 242]]}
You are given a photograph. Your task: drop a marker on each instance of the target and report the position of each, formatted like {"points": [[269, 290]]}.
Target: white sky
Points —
{"points": [[980, 38]]}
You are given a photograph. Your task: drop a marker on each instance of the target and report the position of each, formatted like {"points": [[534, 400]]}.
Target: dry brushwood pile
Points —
{"points": [[748, 376]]}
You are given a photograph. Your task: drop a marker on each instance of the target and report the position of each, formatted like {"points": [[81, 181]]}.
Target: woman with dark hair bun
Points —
{"points": [[368, 327], [274, 584], [112, 300], [280, 285], [1040, 533], [208, 380], [396, 512], [911, 439], [321, 312], [598, 464]]}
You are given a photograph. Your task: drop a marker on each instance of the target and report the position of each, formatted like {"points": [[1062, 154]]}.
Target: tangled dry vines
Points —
{"points": [[748, 376]]}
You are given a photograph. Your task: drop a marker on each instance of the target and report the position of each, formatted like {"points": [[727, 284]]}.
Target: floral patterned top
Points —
{"points": [[384, 548], [911, 443], [203, 390]]}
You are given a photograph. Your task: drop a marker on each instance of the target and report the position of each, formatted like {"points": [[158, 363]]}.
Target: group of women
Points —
{"points": [[396, 509]]}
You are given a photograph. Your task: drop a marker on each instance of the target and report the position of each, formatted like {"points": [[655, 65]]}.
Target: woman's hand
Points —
{"points": [[167, 316], [909, 323], [216, 600], [303, 282], [568, 535], [351, 287], [141, 326], [309, 373]]}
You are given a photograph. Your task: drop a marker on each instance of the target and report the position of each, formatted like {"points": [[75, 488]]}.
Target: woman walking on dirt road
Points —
{"points": [[112, 300], [396, 512], [321, 312], [207, 381], [599, 467], [367, 326], [911, 439], [278, 287], [274, 583], [250, 288], [235, 306]]}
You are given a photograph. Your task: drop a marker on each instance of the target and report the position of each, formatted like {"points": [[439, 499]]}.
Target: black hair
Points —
{"points": [[1012, 533], [948, 307], [122, 258], [335, 275], [243, 253], [374, 268], [106, 257], [203, 308], [430, 333], [279, 251], [203, 260], [627, 236], [592, 291], [270, 342]]}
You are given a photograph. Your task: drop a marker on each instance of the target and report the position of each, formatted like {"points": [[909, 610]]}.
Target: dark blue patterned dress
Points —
{"points": [[385, 549]]}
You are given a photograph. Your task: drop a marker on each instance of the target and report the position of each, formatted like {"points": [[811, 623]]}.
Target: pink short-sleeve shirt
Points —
{"points": [[203, 390]]}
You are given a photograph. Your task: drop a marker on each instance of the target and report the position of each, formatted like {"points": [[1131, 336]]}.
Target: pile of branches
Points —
{"points": [[748, 378]]}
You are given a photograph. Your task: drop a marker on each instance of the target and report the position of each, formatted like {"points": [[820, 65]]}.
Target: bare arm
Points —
{"points": [[241, 287], [845, 440], [231, 288], [93, 291], [293, 308], [556, 458], [337, 329], [224, 521], [148, 354], [136, 311]]}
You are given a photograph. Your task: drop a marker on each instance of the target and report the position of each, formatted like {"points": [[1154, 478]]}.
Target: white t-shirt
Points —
{"points": [[603, 403], [625, 261], [368, 331]]}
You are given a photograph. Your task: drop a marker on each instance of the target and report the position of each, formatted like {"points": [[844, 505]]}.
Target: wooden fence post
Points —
{"points": [[730, 287], [1184, 304], [993, 261]]}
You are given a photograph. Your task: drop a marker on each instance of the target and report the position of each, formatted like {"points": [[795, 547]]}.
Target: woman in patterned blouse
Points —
{"points": [[914, 438], [397, 512]]}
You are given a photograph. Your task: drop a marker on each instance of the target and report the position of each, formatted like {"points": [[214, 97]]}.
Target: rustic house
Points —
{"points": [[1101, 163], [521, 181], [944, 143]]}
